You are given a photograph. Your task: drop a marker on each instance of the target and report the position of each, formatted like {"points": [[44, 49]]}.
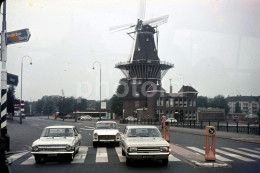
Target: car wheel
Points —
{"points": [[128, 162], [38, 159], [70, 157], [95, 144], [123, 152], [165, 162]]}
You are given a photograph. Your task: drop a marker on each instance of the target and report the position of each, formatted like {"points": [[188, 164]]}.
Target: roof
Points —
{"points": [[60, 126], [106, 122], [243, 98], [140, 127], [187, 89]]}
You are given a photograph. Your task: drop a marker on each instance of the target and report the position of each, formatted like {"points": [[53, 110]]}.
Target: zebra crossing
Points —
{"points": [[101, 155], [80, 157], [226, 154]]}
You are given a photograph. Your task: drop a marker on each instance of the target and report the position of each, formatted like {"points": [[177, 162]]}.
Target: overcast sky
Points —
{"points": [[213, 44]]}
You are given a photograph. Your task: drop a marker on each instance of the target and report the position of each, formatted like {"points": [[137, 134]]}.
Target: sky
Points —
{"points": [[213, 44]]}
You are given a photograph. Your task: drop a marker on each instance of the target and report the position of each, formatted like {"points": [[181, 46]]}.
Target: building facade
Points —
{"points": [[249, 105]]}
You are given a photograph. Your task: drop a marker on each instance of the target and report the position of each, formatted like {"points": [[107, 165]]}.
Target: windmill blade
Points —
{"points": [[141, 10], [156, 21], [121, 27]]}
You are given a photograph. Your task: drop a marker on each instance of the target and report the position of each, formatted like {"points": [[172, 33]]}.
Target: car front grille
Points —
{"points": [[106, 137], [148, 149], [52, 147]]}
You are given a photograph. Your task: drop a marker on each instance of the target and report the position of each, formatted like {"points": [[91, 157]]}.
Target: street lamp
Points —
{"points": [[99, 85], [22, 84]]}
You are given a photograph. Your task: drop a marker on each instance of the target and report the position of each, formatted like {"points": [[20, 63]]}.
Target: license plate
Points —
{"points": [[147, 157], [52, 155]]}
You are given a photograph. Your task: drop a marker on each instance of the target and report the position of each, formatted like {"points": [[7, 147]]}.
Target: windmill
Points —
{"points": [[144, 66]]}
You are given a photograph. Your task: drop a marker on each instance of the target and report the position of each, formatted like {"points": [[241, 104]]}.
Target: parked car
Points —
{"points": [[10, 117], [60, 141], [144, 142], [171, 120], [85, 117], [131, 118], [68, 116], [106, 132]]}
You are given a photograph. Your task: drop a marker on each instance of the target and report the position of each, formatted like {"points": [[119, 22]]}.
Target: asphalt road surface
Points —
{"points": [[240, 156]]}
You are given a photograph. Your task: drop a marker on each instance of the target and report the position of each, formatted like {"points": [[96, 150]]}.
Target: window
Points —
{"points": [[167, 103], [137, 104], [171, 102]]}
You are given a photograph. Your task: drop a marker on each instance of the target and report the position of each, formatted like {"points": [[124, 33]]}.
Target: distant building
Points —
{"points": [[248, 104], [181, 106], [211, 114]]}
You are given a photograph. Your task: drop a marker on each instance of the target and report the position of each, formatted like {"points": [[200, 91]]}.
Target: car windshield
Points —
{"points": [[144, 132], [57, 132], [106, 126]]}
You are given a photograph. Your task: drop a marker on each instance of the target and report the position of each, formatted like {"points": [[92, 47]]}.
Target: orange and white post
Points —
{"points": [[166, 131], [210, 151]]}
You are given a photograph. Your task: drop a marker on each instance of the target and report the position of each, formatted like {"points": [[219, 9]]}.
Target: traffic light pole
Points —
{"points": [[4, 138]]}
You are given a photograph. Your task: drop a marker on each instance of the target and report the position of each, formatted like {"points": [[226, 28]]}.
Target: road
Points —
{"points": [[240, 156]]}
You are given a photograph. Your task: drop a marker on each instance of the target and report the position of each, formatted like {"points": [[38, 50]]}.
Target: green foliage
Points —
{"points": [[116, 103], [202, 101], [237, 108], [48, 105], [218, 101]]}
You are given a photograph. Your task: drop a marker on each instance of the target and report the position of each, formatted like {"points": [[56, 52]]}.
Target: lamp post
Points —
{"points": [[22, 84], [99, 85]]}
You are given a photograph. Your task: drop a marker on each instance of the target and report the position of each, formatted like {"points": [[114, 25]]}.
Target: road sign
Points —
{"points": [[18, 36], [211, 131], [103, 105], [12, 79]]}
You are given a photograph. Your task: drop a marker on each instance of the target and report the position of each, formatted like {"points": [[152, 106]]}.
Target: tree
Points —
{"points": [[219, 102], [237, 108], [202, 101], [10, 100], [116, 101]]}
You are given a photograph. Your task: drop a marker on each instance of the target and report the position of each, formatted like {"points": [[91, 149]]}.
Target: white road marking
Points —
{"points": [[249, 150], [81, 156], [119, 154], [16, 156], [234, 156], [171, 158], [29, 161], [218, 157], [101, 155], [242, 152]]}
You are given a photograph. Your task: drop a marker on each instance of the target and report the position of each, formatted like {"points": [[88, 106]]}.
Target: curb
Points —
{"points": [[254, 142], [211, 165]]}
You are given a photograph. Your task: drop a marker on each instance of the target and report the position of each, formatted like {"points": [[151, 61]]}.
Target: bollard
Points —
{"points": [[166, 131], [210, 150]]}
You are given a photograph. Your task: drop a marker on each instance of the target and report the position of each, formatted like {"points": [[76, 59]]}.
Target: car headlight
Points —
{"points": [[68, 147], [132, 149], [164, 149], [35, 148], [118, 135], [95, 135]]}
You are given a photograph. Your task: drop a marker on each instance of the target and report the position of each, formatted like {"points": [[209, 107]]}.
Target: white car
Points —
{"points": [[131, 118], [106, 132], [171, 120], [60, 141], [144, 142], [85, 117]]}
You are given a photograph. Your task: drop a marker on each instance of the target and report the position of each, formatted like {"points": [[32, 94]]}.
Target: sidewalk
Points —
{"points": [[220, 134]]}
